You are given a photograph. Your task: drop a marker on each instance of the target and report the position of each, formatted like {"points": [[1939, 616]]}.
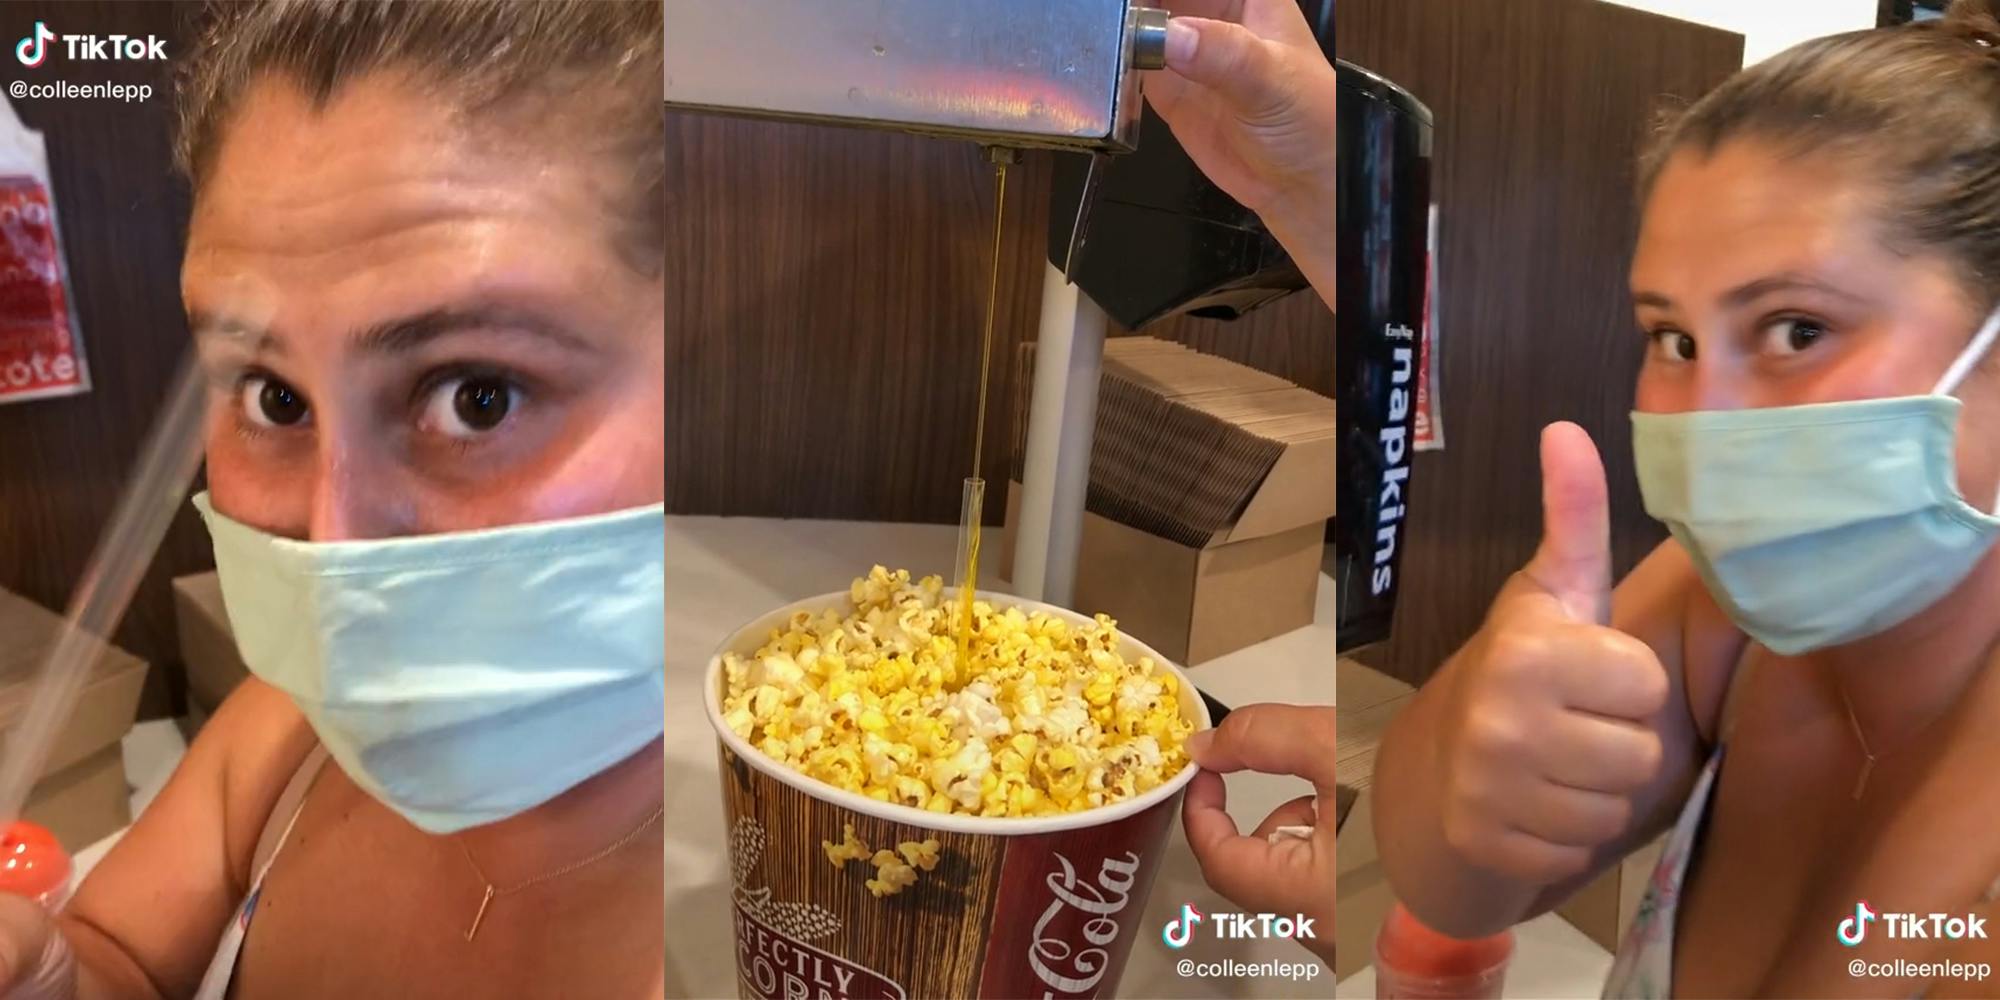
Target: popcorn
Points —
{"points": [[1043, 718], [922, 855], [850, 848], [891, 875]]}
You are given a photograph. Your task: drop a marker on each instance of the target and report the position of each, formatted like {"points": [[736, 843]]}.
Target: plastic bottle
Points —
{"points": [[1413, 962], [34, 864]]}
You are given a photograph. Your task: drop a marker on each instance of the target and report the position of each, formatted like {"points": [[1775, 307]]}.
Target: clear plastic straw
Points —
{"points": [[973, 506], [967, 570], [158, 487]]}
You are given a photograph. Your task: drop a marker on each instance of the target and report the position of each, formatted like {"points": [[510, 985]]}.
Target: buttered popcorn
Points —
{"points": [[850, 848], [892, 874], [919, 854], [1046, 718]]}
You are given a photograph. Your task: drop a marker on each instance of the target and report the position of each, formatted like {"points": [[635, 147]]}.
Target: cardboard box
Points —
{"points": [[208, 646], [85, 802], [75, 794], [1210, 487], [1191, 604]]}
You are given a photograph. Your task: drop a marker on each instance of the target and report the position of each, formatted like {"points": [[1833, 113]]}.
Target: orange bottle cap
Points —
{"points": [[1412, 949], [32, 862]]}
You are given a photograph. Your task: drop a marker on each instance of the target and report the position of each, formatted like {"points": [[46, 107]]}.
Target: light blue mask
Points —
{"points": [[464, 678], [1817, 525]]}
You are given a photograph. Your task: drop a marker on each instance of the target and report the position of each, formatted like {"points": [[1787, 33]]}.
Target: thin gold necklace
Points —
{"points": [[493, 892], [1867, 755]]}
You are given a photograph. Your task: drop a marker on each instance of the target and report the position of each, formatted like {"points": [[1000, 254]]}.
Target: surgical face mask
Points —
{"points": [[464, 678], [1817, 525]]}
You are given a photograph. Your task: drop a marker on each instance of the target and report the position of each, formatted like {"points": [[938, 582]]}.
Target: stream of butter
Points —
{"points": [[973, 508]]}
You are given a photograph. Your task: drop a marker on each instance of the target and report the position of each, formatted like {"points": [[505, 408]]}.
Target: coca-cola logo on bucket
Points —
{"points": [[1069, 907], [1071, 952]]}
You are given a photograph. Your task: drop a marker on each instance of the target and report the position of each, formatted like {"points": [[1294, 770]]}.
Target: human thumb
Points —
{"points": [[1232, 61], [1574, 561]]}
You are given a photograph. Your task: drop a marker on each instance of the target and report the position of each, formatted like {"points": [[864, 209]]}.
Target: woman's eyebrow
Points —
{"points": [[395, 336], [408, 333], [1750, 291], [221, 329]]}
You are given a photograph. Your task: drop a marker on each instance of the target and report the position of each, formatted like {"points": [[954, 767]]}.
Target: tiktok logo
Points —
{"points": [[32, 49], [1911, 926], [1178, 933], [1854, 929]]}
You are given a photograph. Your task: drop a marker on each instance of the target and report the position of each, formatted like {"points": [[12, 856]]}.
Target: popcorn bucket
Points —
{"points": [[1015, 907]]}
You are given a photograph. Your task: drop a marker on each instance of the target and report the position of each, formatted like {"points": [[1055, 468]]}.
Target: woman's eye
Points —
{"points": [[1791, 336], [1673, 345], [467, 406], [269, 403]]}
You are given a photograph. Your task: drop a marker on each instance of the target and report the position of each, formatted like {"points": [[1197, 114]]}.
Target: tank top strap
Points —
{"points": [[1732, 697], [216, 984], [278, 825]]}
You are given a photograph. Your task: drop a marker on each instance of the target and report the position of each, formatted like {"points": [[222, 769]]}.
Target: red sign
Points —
{"points": [[1429, 433], [39, 351], [1069, 908]]}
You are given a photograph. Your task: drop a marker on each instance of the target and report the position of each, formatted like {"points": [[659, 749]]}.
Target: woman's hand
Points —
{"points": [[1544, 736], [1251, 98], [1282, 875], [1565, 734]]}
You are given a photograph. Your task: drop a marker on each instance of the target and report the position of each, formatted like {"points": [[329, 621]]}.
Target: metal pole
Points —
{"points": [[1062, 417]]}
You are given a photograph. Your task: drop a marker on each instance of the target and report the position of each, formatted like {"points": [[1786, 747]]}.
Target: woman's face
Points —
{"points": [[1763, 280], [413, 325]]}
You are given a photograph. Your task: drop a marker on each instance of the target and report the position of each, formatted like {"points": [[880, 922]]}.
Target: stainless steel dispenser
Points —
{"points": [[1054, 74]]}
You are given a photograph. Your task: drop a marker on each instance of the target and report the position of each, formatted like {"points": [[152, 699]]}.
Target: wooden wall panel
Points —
{"points": [[826, 291], [1541, 106], [123, 215], [825, 300]]}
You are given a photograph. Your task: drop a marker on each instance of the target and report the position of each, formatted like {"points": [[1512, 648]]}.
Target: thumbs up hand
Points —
{"points": [[1544, 735]]}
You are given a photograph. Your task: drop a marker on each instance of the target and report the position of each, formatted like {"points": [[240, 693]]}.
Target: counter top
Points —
{"points": [[723, 572]]}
